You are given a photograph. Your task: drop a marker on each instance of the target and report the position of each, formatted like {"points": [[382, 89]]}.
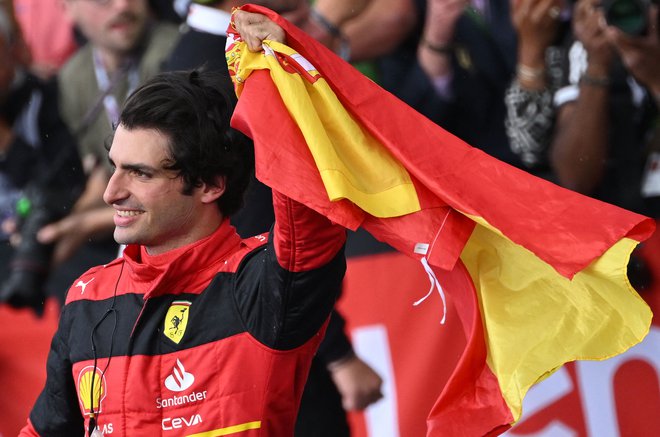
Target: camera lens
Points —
{"points": [[631, 16]]}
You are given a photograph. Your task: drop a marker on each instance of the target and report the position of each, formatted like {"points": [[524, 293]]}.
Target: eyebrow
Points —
{"points": [[136, 167]]}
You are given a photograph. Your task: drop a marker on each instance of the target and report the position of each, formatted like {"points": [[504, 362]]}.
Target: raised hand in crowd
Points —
{"points": [[579, 149], [325, 20], [589, 27], [439, 25], [640, 54], [540, 27], [536, 23]]}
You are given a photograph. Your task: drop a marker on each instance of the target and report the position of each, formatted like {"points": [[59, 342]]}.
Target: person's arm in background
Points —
{"points": [[641, 55], [357, 383], [380, 28], [580, 147], [421, 73], [89, 219], [530, 113], [536, 23], [338, 12], [435, 48], [324, 22], [56, 411]]}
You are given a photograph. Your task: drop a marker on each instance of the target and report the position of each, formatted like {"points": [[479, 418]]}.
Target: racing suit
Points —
{"points": [[212, 338]]}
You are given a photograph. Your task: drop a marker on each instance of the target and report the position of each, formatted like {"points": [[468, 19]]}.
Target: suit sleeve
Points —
{"points": [[300, 274], [56, 412], [335, 345], [303, 239]]}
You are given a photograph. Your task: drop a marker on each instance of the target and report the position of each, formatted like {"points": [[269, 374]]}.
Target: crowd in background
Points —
{"points": [[565, 89]]}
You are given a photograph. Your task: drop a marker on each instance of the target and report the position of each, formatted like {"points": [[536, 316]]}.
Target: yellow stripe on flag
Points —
{"points": [[535, 320], [352, 163], [229, 430]]}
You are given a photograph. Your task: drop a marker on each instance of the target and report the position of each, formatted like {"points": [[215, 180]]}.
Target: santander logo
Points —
{"points": [[179, 380]]}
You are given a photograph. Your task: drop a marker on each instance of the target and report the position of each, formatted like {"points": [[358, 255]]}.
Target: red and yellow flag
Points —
{"points": [[536, 272]]}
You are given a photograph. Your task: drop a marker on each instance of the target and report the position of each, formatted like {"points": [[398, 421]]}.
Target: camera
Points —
{"points": [[631, 16], [30, 263]]}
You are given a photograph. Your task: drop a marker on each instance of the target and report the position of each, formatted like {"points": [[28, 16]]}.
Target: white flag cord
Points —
{"points": [[434, 283]]}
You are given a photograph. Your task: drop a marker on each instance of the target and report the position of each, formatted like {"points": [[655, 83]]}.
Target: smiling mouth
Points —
{"points": [[129, 213]]}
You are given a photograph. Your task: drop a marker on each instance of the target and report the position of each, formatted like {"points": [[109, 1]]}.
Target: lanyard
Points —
{"points": [[106, 84]]}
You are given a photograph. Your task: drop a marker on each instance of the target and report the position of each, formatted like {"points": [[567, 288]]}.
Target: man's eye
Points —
{"points": [[140, 174]]}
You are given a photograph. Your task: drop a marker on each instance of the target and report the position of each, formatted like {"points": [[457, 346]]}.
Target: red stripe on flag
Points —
{"points": [[471, 403]]}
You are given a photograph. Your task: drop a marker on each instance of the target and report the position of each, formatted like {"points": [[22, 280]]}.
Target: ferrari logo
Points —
{"points": [[176, 320]]}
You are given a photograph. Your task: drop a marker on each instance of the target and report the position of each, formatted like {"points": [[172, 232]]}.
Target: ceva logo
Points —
{"points": [[179, 380], [170, 423]]}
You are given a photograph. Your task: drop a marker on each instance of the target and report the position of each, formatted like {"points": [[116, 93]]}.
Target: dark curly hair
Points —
{"points": [[193, 111]]}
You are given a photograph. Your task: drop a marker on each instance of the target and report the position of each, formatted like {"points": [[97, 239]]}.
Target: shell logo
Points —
{"points": [[91, 396]]}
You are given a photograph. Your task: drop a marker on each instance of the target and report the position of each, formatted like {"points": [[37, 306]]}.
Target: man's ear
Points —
{"points": [[211, 193]]}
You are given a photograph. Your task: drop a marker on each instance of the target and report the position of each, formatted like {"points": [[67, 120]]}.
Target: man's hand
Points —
{"points": [[254, 28], [74, 230], [439, 25], [589, 28], [358, 384], [440, 21], [536, 22], [640, 55], [90, 218]]}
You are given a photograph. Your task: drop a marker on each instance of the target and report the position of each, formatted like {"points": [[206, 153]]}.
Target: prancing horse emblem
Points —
{"points": [[176, 320]]}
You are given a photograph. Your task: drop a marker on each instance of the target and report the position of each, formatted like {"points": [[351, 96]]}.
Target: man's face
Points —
{"points": [[113, 25], [150, 208]]}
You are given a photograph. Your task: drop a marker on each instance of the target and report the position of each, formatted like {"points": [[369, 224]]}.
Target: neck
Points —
{"points": [[208, 224], [111, 60]]}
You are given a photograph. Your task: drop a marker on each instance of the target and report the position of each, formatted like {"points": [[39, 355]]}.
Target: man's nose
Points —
{"points": [[115, 190], [121, 5]]}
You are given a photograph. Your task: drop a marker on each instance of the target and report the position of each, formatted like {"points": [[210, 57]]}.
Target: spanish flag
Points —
{"points": [[537, 273]]}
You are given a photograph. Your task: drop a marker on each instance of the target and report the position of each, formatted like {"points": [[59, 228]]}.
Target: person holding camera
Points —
{"points": [[541, 27], [124, 46], [607, 109], [587, 118], [40, 171], [589, 110], [456, 68]]}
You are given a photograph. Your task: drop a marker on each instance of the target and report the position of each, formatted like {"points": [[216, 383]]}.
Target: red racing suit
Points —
{"points": [[213, 338]]}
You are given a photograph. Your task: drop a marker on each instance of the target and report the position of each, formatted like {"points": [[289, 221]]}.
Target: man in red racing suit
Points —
{"points": [[193, 331]]}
